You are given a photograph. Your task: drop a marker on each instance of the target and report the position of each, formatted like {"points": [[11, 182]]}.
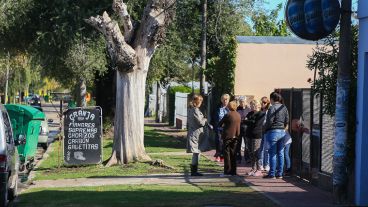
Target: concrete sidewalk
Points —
{"points": [[157, 179], [287, 192]]}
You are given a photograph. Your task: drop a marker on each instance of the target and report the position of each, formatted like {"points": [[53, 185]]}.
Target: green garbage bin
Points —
{"points": [[26, 121], [46, 97], [72, 104]]}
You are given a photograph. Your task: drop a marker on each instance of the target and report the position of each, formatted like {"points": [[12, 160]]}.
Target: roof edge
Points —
{"points": [[275, 40]]}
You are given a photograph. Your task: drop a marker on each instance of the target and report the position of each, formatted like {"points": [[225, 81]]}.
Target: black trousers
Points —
{"points": [[230, 156]]}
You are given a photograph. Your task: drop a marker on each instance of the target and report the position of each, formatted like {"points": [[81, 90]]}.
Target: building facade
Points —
{"points": [[361, 150], [266, 63]]}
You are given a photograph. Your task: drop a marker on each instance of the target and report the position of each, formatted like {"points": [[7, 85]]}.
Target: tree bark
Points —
{"points": [[340, 168], [82, 91], [129, 119], [131, 54]]}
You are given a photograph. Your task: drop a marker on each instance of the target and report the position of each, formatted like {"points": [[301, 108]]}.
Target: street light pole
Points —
{"points": [[340, 176], [203, 87], [7, 78]]}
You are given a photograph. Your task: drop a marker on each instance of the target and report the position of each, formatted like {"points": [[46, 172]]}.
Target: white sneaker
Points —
{"points": [[250, 173], [261, 168], [267, 168], [257, 173]]}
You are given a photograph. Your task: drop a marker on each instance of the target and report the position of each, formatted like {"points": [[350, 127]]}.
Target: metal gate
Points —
{"points": [[298, 103], [313, 141], [323, 134]]}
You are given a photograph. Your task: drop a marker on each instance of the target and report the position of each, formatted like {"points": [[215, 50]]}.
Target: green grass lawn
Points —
{"points": [[192, 194], [220, 194], [154, 142]]}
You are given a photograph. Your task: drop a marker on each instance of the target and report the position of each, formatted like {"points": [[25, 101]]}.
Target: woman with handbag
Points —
{"points": [[276, 122], [196, 122]]}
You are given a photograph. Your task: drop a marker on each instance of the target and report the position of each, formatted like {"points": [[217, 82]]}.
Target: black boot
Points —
{"points": [[194, 170]]}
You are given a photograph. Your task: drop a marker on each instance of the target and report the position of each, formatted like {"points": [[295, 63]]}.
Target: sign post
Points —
{"points": [[83, 136]]}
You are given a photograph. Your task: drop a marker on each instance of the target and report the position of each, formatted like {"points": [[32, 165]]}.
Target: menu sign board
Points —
{"points": [[82, 136]]}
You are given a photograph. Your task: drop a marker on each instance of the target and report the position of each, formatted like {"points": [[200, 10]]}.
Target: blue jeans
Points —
{"points": [[264, 157], [287, 157], [275, 139]]}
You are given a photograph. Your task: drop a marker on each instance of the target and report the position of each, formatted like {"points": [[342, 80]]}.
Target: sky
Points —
{"points": [[272, 4]]}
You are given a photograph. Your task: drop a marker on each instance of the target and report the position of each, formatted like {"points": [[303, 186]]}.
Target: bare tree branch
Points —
{"points": [[156, 17], [121, 53], [121, 9]]}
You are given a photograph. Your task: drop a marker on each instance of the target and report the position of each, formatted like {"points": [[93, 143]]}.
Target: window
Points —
{"points": [[8, 129]]}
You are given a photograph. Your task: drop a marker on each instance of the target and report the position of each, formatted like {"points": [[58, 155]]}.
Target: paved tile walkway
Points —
{"points": [[287, 192]]}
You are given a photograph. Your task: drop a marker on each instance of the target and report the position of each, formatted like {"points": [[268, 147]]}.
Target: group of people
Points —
{"points": [[262, 128]]}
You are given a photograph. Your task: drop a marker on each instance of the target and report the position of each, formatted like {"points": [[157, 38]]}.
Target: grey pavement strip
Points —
{"points": [[159, 179]]}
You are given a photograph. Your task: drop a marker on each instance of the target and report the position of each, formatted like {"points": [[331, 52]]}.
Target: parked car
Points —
{"points": [[35, 101], [44, 132], [9, 160]]}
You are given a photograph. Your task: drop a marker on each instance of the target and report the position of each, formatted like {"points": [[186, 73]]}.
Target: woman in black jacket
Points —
{"points": [[276, 122], [254, 133]]}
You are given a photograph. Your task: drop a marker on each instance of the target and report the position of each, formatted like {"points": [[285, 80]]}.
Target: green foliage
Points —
{"points": [[14, 14], [171, 99], [60, 23], [325, 61], [47, 30], [223, 70], [173, 61], [182, 89], [23, 73], [85, 59], [266, 23], [225, 22], [135, 9], [170, 62], [180, 53]]}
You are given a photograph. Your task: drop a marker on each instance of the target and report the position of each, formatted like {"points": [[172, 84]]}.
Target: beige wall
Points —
{"points": [[260, 68]]}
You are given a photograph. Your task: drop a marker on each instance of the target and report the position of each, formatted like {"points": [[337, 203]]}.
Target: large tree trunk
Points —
{"points": [[131, 54], [129, 118]]}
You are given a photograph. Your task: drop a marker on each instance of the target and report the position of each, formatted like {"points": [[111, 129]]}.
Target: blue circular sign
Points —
{"points": [[312, 19]]}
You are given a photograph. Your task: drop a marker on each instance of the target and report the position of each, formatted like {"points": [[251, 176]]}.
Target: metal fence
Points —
{"points": [[313, 142], [181, 109]]}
